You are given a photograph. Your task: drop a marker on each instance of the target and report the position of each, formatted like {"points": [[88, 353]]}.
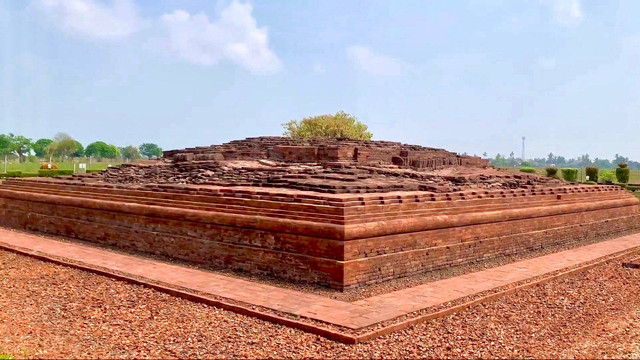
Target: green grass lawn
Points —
{"points": [[29, 167]]}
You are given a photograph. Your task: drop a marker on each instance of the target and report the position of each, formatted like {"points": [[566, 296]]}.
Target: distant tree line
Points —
{"points": [[63, 146], [561, 162]]}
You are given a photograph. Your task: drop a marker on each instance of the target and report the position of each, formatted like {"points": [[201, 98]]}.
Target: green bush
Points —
{"points": [[570, 175], [606, 176], [13, 174], [528, 170], [54, 173], [93, 171], [552, 172], [622, 173], [589, 182], [633, 188], [592, 173]]}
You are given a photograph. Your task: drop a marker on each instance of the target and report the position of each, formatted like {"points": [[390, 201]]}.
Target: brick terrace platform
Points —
{"points": [[336, 240], [243, 296]]}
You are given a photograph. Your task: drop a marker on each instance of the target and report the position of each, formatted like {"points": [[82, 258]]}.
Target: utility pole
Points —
{"points": [[523, 148]]}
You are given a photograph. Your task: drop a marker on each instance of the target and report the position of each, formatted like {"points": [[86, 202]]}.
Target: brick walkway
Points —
{"points": [[354, 315]]}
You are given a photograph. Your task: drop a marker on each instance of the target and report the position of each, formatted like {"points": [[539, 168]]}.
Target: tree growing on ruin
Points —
{"points": [[338, 126]]}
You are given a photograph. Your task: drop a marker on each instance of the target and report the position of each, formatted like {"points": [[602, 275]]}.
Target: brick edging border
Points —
{"points": [[308, 327]]}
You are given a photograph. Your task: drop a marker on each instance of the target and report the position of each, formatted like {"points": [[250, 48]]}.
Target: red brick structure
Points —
{"points": [[341, 231]]}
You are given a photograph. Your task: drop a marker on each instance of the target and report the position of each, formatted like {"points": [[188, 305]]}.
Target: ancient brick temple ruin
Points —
{"points": [[338, 213]]}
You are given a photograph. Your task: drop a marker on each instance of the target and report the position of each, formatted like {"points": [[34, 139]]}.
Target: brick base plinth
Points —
{"points": [[337, 240]]}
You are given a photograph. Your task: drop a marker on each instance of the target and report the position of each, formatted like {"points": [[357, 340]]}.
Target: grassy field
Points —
{"points": [[29, 167]]}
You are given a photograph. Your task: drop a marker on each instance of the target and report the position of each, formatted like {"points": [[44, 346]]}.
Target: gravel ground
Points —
{"points": [[48, 310], [361, 292]]}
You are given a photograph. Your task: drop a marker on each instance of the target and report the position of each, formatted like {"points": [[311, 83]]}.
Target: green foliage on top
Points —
{"points": [[552, 172], [130, 152], [592, 173], [150, 150], [528, 170], [570, 175], [40, 146], [338, 126], [100, 149]]}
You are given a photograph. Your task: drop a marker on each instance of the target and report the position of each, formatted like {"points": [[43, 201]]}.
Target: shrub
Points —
{"points": [[45, 166], [528, 170], [592, 173], [93, 171], [54, 173], [552, 172], [606, 176], [589, 182], [570, 175], [622, 173], [338, 126]]}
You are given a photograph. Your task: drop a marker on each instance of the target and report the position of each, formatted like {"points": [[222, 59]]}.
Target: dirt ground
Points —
{"points": [[50, 311]]}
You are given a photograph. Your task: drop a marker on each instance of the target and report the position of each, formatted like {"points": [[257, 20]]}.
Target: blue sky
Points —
{"points": [[468, 76]]}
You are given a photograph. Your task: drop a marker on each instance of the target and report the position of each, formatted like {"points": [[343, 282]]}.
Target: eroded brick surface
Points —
{"points": [[322, 212]]}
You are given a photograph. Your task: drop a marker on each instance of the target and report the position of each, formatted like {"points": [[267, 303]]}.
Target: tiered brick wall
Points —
{"points": [[338, 240], [319, 151]]}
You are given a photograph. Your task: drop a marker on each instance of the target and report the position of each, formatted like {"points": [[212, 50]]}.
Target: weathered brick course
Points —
{"points": [[336, 240]]}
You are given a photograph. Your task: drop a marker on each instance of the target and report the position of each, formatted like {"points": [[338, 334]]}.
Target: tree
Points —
{"points": [[150, 150], [63, 145], [338, 126], [79, 149], [96, 149], [40, 146], [100, 149], [5, 148], [20, 145], [130, 153], [112, 152]]}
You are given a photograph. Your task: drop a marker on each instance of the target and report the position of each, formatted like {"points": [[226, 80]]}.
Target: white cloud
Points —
{"points": [[92, 19], [234, 37], [567, 12], [375, 64]]}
